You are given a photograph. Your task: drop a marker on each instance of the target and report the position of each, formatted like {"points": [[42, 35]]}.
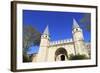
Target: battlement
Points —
{"points": [[61, 42]]}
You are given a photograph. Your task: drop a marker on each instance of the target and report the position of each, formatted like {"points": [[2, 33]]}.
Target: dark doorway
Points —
{"points": [[62, 58]]}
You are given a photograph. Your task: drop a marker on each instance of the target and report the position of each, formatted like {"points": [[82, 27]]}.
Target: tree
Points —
{"points": [[77, 57], [30, 37], [86, 22]]}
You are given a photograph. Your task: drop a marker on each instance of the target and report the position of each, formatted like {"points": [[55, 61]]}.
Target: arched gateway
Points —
{"points": [[61, 54]]}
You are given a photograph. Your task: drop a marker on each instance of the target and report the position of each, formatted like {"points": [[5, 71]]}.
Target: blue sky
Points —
{"points": [[60, 23]]}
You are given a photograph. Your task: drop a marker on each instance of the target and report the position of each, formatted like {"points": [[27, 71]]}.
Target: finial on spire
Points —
{"points": [[75, 24], [46, 31]]}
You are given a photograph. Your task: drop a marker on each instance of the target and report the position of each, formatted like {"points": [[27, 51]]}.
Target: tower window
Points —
{"points": [[46, 36], [76, 29]]}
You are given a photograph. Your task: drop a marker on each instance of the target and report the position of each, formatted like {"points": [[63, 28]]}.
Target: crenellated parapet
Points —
{"points": [[61, 42]]}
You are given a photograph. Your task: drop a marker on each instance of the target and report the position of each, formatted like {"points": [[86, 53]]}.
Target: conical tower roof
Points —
{"points": [[75, 24], [46, 31]]}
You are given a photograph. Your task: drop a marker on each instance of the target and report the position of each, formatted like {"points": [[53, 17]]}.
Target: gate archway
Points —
{"points": [[61, 54]]}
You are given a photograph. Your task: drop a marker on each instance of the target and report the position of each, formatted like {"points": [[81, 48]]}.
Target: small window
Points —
{"points": [[46, 36], [76, 29]]}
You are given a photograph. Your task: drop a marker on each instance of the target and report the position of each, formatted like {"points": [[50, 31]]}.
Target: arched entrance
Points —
{"points": [[61, 54]]}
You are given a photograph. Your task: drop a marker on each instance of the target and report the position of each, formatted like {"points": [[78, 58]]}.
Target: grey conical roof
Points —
{"points": [[75, 24], [46, 31]]}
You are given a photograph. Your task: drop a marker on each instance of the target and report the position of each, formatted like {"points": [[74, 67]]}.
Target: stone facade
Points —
{"points": [[61, 50]]}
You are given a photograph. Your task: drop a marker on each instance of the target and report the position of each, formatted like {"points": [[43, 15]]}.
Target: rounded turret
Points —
{"points": [[44, 44], [78, 39], [77, 31]]}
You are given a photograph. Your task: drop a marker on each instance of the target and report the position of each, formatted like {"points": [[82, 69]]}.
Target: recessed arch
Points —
{"points": [[61, 54]]}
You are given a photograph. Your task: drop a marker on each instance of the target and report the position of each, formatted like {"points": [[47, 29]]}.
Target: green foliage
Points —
{"points": [[85, 22], [30, 37], [88, 27], [77, 57], [26, 58]]}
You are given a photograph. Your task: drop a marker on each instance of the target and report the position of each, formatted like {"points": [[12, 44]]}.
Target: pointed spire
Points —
{"points": [[46, 31], [75, 24]]}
